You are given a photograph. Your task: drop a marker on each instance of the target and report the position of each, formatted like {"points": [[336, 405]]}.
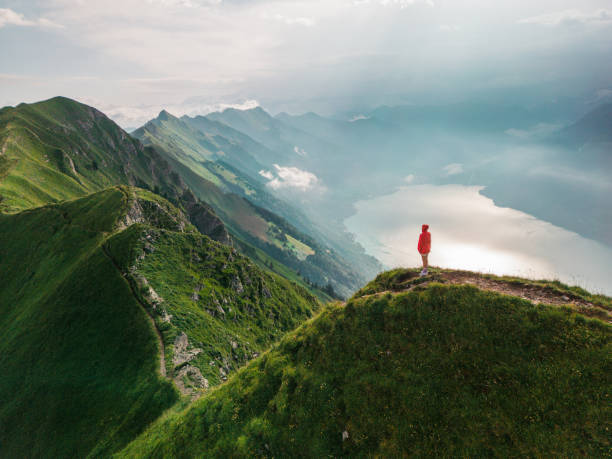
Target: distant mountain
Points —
{"points": [[594, 128], [298, 147], [121, 302], [230, 136], [357, 133], [236, 191], [410, 369], [465, 117], [186, 143], [61, 149]]}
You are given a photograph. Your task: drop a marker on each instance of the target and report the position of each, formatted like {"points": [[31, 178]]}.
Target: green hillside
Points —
{"points": [[108, 307], [60, 149], [220, 171], [437, 370]]}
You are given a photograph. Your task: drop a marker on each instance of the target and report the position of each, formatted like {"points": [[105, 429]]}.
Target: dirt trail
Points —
{"points": [[160, 340], [531, 292]]}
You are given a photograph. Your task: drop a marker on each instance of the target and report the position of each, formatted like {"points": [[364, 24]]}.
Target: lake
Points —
{"points": [[470, 232]]}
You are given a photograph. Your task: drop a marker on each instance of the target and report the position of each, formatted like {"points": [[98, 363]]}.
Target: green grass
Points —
{"points": [[198, 278], [79, 356], [60, 149], [447, 371]]}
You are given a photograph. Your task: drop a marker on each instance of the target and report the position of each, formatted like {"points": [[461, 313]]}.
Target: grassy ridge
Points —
{"points": [[79, 358], [228, 307], [447, 371], [60, 149]]}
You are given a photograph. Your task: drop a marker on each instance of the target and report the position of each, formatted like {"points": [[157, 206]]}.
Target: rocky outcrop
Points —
{"points": [[188, 378], [182, 353], [154, 213], [237, 285], [205, 219], [190, 381]]}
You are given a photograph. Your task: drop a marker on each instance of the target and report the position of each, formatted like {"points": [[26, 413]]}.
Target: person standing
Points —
{"points": [[424, 247]]}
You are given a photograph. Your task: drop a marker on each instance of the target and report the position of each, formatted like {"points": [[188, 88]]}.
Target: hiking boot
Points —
{"points": [[423, 272]]}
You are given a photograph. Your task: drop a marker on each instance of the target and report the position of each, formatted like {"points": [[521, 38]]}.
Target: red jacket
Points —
{"points": [[424, 241]]}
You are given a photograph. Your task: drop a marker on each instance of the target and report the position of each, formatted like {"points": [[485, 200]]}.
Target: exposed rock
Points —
{"points": [[149, 294], [205, 219], [165, 316], [220, 309], [181, 352], [152, 212], [133, 215], [345, 435], [265, 292], [237, 285], [190, 381], [70, 163], [195, 296], [234, 344]]}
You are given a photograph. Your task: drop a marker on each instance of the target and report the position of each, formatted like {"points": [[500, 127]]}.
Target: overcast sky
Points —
{"points": [[133, 57]]}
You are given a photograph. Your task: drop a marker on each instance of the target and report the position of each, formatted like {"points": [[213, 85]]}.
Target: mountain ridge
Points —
{"points": [[118, 313], [441, 369]]}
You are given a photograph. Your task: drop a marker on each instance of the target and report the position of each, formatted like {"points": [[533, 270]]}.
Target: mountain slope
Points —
{"points": [[441, 370], [59, 149], [79, 358], [247, 208], [111, 302], [195, 147]]}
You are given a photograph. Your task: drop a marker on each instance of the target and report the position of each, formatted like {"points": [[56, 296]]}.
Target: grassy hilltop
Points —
{"points": [[435, 371], [100, 318]]}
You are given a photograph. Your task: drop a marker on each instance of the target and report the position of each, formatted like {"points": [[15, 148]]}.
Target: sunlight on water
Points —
{"points": [[470, 232]]}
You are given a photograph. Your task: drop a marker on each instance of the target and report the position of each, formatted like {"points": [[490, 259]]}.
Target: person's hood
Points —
{"points": [[425, 228]]}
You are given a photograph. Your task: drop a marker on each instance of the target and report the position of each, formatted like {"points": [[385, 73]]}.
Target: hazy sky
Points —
{"points": [[132, 57]]}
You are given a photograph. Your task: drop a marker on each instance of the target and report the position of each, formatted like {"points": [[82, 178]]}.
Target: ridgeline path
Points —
{"points": [[533, 292], [160, 339]]}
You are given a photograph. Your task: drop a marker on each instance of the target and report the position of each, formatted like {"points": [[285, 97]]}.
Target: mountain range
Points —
{"points": [[180, 292]]}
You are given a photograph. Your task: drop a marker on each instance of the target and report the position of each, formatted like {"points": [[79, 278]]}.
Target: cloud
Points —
{"points": [[449, 28], [358, 117], [10, 17], [409, 178], [290, 177], [300, 151], [266, 174], [399, 3], [303, 21], [570, 18], [452, 169]]}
